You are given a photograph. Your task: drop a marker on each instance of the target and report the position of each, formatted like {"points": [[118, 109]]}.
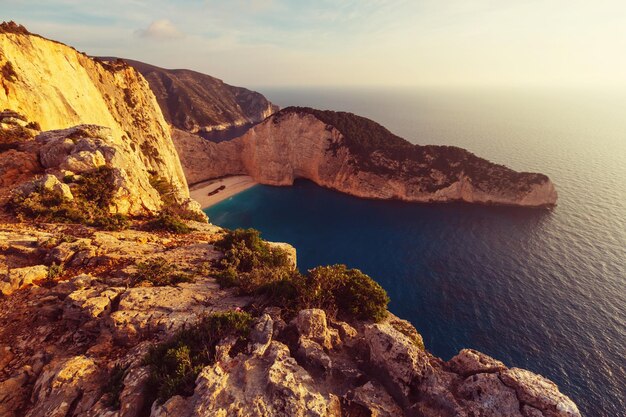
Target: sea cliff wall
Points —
{"points": [[295, 145]]}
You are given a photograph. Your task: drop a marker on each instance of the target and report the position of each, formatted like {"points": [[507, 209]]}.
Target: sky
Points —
{"points": [[255, 43]]}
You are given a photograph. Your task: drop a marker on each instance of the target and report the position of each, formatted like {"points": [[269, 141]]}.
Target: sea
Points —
{"points": [[538, 289]]}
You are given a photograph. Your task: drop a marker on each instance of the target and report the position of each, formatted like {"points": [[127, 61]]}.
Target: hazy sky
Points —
{"points": [[350, 42]]}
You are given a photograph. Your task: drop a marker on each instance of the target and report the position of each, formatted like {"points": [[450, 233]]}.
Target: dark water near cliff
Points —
{"points": [[542, 290]]}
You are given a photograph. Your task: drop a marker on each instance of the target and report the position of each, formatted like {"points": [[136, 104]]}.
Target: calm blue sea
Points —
{"points": [[542, 290]]}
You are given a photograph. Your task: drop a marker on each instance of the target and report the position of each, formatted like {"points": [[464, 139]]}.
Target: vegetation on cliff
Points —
{"points": [[175, 364], [158, 272], [255, 267], [172, 216], [91, 197]]}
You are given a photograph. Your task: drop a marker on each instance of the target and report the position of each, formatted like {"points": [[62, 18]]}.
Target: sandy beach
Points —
{"points": [[211, 192]]}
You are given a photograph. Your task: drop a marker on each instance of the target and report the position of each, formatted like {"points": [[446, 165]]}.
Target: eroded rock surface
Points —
{"points": [[62, 341]]}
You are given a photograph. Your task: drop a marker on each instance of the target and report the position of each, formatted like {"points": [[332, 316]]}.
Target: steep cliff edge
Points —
{"points": [[357, 156], [57, 87], [193, 101]]}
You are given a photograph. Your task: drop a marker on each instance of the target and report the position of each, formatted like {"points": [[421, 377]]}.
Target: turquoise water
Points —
{"points": [[542, 290]]}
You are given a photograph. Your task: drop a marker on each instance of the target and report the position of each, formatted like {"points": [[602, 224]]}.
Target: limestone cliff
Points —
{"points": [[203, 159], [354, 155], [57, 87], [193, 101]]}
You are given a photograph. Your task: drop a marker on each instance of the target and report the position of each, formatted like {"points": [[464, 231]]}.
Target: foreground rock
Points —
{"points": [[356, 156], [63, 341]]}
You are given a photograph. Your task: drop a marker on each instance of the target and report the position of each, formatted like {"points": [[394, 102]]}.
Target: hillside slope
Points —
{"points": [[193, 101]]}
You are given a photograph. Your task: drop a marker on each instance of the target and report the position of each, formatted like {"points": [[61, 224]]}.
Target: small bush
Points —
{"points": [[338, 289], [114, 386], [55, 270], [409, 331], [159, 272], [43, 206], [93, 196], [170, 222], [361, 296], [255, 267], [174, 365], [112, 222], [227, 278], [173, 208], [96, 187], [205, 268], [244, 250]]}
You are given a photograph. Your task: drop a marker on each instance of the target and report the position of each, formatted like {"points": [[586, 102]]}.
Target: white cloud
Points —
{"points": [[161, 29]]}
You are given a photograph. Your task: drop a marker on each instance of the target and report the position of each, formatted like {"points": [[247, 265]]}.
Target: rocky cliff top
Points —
{"points": [[137, 323], [114, 304], [193, 101], [12, 27]]}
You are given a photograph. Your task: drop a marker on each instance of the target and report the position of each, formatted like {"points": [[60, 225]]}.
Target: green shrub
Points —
{"points": [[360, 296], [114, 386], [55, 270], [159, 272], [111, 222], [245, 251], [170, 222], [44, 206], [255, 267], [205, 268], [93, 196], [409, 331], [172, 207], [339, 290], [227, 278], [175, 364]]}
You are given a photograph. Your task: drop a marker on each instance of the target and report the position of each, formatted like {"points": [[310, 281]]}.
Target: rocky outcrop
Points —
{"points": [[195, 102], [56, 87], [65, 156], [18, 278], [359, 157], [83, 149]]}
